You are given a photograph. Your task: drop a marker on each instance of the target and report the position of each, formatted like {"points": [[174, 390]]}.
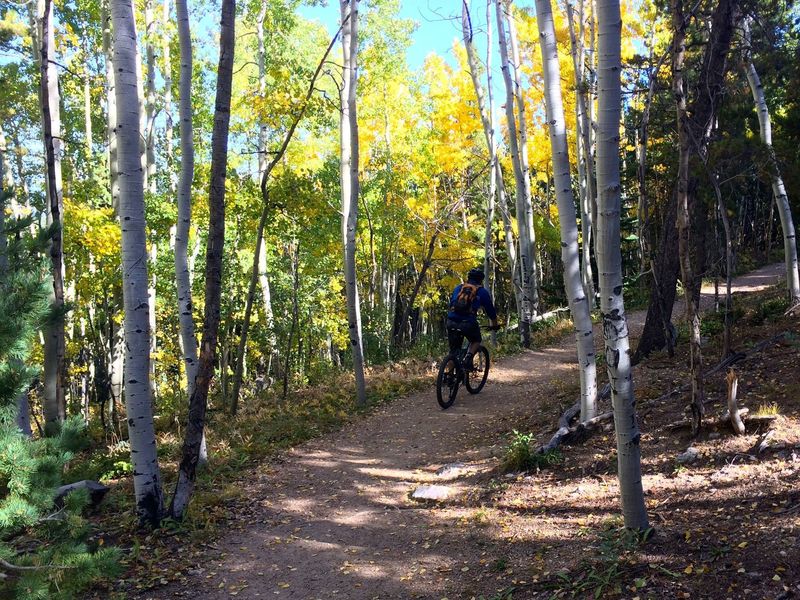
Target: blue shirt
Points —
{"points": [[482, 299]]}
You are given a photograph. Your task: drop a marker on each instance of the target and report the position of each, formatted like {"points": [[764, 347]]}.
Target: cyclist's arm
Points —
{"points": [[488, 306], [453, 296]]}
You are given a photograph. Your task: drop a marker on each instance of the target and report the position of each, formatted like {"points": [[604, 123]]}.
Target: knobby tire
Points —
{"points": [[447, 382], [475, 380]]}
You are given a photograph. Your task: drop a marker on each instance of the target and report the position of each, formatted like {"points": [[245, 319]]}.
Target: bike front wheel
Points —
{"points": [[447, 382], [476, 379]]}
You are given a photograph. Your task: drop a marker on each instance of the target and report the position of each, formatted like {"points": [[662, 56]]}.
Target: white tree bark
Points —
{"points": [[778, 189], [350, 187], [5, 188], [87, 115], [183, 276], [138, 401], [150, 96], [584, 157], [111, 107], [54, 404], [609, 265], [496, 184], [150, 161], [522, 137], [167, 58], [527, 250], [262, 87], [570, 255], [263, 273]]}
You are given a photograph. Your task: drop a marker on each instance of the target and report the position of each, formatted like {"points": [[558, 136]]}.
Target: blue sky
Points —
{"points": [[438, 24]]}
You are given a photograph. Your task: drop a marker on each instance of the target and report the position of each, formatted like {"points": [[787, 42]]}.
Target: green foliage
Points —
{"points": [[769, 310], [611, 570], [521, 456], [712, 323], [34, 532]]}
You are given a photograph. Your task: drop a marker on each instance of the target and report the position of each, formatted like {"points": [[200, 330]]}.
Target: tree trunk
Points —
{"points": [[263, 273], [778, 189], [187, 469], [170, 121], [426, 263], [87, 116], [609, 266], [591, 88], [111, 107], [248, 308], [733, 408], [260, 264], [570, 255], [350, 187], [54, 347], [150, 166], [183, 277], [294, 256], [641, 168], [5, 194], [522, 132], [150, 96], [584, 157], [527, 250], [687, 275], [702, 116], [726, 224], [496, 184], [116, 361], [146, 478]]}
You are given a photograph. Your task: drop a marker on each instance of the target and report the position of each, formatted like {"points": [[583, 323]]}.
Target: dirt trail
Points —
{"points": [[333, 518]]}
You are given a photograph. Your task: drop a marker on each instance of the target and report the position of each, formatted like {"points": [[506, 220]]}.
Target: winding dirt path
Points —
{"points": [[333, 518]]}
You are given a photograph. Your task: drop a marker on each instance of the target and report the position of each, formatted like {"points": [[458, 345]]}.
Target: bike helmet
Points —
{"points": [[476, 275]]}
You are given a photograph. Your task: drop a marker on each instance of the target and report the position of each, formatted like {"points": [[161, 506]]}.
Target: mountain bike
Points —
{"points": [[452, 373]]}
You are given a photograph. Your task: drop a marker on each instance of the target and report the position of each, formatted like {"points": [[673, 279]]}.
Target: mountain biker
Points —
{"points": [[462, 320]]}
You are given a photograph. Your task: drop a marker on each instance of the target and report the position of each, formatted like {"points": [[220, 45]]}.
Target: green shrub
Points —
{"points": [[771, 309], [521, 456]]}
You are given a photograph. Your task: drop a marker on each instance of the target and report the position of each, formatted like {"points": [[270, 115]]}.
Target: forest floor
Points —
{"points": [[333, 517]]}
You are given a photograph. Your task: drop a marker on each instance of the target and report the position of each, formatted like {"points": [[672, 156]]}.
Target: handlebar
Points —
{"points": [[492, 327]]}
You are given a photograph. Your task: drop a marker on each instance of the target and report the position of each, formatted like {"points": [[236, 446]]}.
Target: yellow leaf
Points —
{"points": [[689, 570]]}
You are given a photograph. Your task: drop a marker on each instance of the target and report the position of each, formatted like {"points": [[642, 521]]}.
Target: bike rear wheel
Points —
{"points": [[447, 382], [476, 379]]}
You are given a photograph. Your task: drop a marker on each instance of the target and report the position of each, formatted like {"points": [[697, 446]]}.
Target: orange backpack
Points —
{"points": [[465, 299]]}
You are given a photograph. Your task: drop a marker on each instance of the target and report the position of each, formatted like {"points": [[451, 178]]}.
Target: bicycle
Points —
{"points": [[452, 373]]}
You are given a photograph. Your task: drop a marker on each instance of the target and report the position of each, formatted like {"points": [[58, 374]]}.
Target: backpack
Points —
{"points": [[464, 300]]}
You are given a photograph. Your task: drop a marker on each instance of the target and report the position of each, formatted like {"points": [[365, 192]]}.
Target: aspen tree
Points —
{"points": [[350, 187], [527, 251], [570, 255], [193, 440], [609, 265], [778, 189], [138, 400], [54, 402], [496, 184]]}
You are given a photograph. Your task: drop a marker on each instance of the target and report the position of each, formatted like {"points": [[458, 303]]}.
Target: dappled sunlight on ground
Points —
{"points": [[335, 518]]}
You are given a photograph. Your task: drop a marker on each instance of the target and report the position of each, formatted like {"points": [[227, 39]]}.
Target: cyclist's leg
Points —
{"points": [[472, 331], [454, 336]]}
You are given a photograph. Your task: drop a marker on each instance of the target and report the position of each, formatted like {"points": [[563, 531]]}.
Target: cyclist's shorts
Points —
{"points": [[458, 330]]}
